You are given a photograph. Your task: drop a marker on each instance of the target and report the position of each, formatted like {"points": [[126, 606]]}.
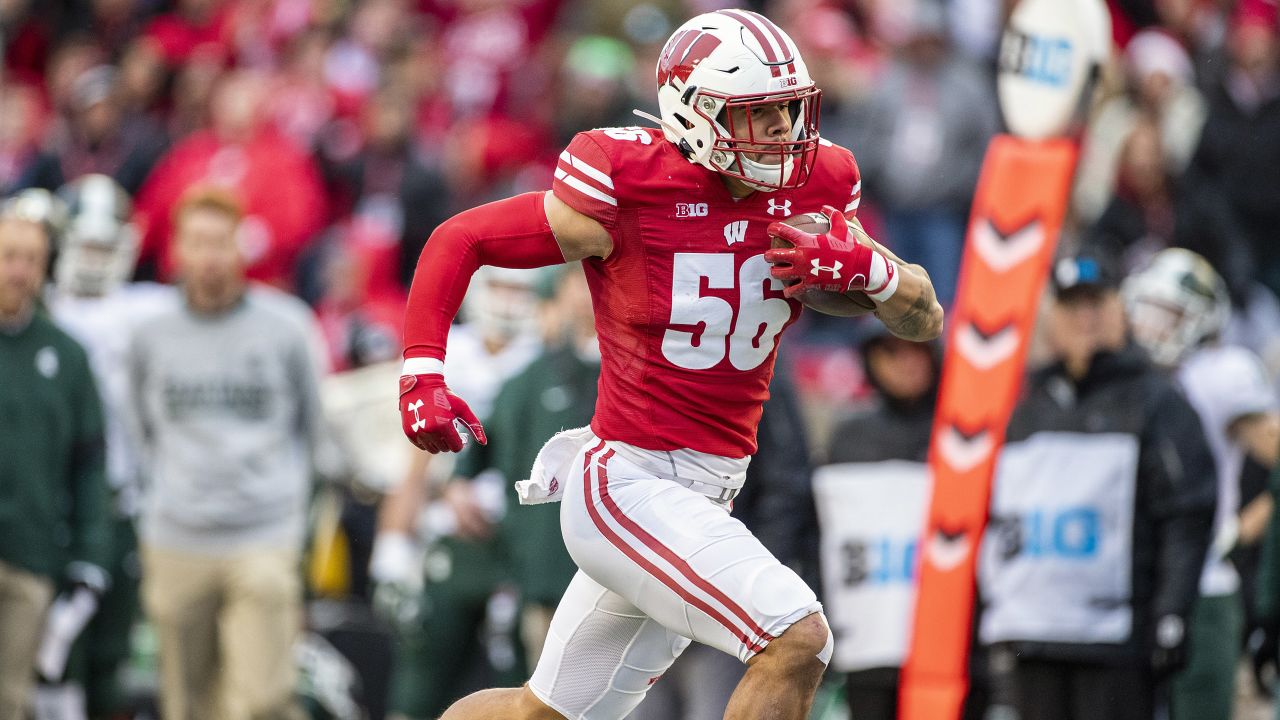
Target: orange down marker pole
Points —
{"points": [[1017, 214]]}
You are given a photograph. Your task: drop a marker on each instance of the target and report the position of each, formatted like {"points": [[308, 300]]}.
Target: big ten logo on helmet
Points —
{"points": [[784, 82], [1071, 533], [878, 561], [683, 53], [687, 210]]}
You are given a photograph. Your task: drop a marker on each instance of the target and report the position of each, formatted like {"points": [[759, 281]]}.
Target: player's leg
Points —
{"points": [[785, 676], [685, 562], [600, 658]]}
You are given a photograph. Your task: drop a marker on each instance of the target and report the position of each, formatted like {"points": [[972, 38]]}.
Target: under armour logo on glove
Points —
{"points": [[429, 411], [834, 269], [418, 422], [834, 261]]}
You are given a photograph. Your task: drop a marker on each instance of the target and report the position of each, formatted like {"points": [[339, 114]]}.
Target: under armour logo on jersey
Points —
{"points": [[776, 207], [418, 422], [833, 269], [684, 210], [735, 232]]}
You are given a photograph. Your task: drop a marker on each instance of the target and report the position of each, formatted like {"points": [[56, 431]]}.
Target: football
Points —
{"points": [[830, 303]]}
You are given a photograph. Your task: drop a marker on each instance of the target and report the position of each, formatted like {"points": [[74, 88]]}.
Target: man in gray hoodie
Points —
{"points": [[226, 387]]}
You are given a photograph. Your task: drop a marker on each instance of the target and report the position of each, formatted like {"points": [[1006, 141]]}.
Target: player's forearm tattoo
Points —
{"points": [[920, 321]]}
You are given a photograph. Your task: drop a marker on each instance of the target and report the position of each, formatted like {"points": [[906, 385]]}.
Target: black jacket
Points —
{"points": [[1175, 489]]}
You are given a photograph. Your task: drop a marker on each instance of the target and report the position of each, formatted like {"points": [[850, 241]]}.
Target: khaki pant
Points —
{"points": [[226, 626], [24, 600]]}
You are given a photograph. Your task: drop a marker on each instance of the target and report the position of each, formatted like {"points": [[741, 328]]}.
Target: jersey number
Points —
{"points": [[747, 334]]}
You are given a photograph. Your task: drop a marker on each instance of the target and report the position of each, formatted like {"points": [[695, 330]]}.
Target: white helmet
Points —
{"points": [[99, 247], [502, 302], [1175, 303], [737, 59]]}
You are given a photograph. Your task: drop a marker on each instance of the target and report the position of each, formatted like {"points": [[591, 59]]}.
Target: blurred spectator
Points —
{"points": [[1161, 89], [27, 36], [93, 301], [923, 138], [1101, 511], [491, 54], [110, 23], [20, 122], [193, 27], [53, 515], [361, 327], [776, 505], [97, 135], [278, 184], [1151, 211], [592, 90], [1241, 140], [1177, 306], [395, 195], [226, 393], [456, 522], [870, 454]]}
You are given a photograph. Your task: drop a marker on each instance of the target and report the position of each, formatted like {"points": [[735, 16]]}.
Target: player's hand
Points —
{"points": [[66, 619], [833, 261], [428, 411], [473, 520]]}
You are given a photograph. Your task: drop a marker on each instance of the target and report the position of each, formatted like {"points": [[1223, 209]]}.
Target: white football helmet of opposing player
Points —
{"points": [[1174, 304], [502, 302], [737, 59], [99, 247]]}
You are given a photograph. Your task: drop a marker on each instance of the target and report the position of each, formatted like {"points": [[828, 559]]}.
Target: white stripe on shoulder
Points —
{"points": [[586, 189], [587, 170], [853, 205], [857, 188]]}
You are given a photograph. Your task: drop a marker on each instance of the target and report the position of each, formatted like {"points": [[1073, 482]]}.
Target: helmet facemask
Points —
{"points": [[762, 163]]}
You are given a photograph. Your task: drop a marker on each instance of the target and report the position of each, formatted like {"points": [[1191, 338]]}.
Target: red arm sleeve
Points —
{"points": [[511, 233]]}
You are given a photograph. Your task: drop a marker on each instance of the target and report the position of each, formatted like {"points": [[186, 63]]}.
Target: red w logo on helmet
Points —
{"points": [[683, 53]]}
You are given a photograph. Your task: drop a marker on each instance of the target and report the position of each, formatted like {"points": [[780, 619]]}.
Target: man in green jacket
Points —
{"points": [[53, 496]]}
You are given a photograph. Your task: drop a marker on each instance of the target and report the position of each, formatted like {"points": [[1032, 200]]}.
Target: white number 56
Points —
{"points": [[750, 335]]}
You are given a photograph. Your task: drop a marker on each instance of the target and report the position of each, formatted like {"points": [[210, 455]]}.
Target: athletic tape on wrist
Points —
{"points": [[422, 366], [883, 280]]}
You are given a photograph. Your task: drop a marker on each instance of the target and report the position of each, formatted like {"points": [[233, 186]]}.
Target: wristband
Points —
{"points": [[422, 366], [882, 278]]}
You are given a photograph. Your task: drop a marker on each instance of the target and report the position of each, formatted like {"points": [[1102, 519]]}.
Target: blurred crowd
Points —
{"points": [[230, 196]]}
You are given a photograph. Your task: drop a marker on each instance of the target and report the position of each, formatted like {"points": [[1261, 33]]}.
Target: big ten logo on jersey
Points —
{"points": [[1072, 533], [878, 561], [688, 210]]}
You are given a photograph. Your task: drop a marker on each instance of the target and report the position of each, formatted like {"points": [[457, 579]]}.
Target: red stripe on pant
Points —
{"points": [[757, 646]]}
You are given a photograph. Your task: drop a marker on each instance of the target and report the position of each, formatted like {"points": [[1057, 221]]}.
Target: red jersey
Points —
{"points": [[687, 313]]}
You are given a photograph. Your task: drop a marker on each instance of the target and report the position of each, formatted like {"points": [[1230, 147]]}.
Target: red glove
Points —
{"points": [[834, 261], [428, 411]]}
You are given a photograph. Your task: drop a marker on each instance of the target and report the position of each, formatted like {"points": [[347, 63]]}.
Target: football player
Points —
{"points": [[1177, 307], [673, 227]]}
